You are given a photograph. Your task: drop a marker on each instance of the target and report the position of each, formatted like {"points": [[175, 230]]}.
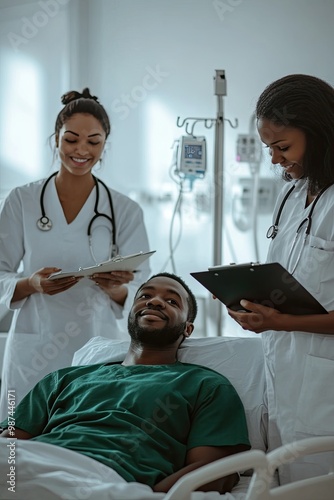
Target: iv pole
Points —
{"points": [[220, 91]]}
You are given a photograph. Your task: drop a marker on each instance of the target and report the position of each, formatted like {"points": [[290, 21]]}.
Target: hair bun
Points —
{"points": [[72, 95], [87, 95]]}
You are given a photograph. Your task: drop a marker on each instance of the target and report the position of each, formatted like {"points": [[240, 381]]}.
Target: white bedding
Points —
{"points": [[48, 472]]}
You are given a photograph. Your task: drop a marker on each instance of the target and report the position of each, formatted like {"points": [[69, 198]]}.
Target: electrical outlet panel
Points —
{"points": [[267, 192], [249, 148]]}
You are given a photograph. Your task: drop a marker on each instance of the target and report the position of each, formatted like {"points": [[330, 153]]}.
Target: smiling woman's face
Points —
{"points": [[286, 146], [81, 141]]}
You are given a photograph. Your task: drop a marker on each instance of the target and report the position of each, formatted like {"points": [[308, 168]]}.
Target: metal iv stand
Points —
{"points": [[220, 91]]}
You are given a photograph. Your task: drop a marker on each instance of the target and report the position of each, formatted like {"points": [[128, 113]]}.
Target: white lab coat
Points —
{"points": [[300, 366], [47, 330]]}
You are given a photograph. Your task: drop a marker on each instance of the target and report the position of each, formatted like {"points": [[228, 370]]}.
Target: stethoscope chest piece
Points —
{"points": [[44, 224], [272, 231]]}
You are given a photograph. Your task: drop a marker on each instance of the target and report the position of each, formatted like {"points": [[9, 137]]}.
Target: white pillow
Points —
{"points": [[238, 359]]}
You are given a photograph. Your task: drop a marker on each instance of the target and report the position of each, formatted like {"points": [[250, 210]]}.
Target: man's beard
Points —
{"points": [[159, 337]]}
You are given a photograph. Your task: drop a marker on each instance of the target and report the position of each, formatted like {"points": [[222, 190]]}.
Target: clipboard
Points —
{"points": [[118, 263], [267, 284]]}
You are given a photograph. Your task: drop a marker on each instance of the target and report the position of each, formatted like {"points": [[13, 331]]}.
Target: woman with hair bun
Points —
{"points": [[295, 120], [52, 225]]}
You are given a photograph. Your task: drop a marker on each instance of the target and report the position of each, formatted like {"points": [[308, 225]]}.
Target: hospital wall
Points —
{"points": [[150, 62]]}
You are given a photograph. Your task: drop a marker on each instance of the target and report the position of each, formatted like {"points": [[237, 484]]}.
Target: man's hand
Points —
{"points": [[203, 455], [16, 434]]}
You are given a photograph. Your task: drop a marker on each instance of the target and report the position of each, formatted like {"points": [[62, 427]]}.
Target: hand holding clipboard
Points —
{"points": [[118, 263], [267, 284]]}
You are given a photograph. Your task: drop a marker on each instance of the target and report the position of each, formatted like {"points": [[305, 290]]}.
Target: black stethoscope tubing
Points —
{"points": [[99, 214], [273, 229], [45, 224]]}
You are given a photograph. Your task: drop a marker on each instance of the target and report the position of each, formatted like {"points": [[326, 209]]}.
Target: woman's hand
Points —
{"points": [[113, 284], [256, 318], [39, 281]]}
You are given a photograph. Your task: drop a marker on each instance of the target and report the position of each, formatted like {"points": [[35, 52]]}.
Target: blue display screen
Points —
{"points": [[193, 151]]}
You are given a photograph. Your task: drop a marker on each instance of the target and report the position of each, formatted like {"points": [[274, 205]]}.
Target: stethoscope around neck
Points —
{"points": [[273, 229], [44, 223]]}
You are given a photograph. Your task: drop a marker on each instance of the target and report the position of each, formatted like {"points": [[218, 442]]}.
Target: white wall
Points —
{"points": [[255, 42], [151, 61], [185, 41], [35, 72], [34, 66]]}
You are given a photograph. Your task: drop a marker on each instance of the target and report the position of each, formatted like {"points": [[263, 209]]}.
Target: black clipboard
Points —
{"points": [[268, 284]]}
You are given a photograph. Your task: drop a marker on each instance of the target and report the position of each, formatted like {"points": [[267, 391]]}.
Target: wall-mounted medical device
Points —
{"points": [[192, 156], [248, 148], [243, 191]]}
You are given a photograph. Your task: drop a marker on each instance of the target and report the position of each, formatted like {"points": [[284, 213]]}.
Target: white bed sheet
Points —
{"points": [[48, 472]]}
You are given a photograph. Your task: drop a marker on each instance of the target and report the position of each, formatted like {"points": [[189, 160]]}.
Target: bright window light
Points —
{"points": [[160, 134], [21, 116]]}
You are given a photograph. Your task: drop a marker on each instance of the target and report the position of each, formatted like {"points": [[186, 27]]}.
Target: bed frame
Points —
{"points": [[264, 465]]}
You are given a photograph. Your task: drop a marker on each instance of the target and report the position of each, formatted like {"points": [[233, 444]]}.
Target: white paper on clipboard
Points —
{"points": [[118, 263]]}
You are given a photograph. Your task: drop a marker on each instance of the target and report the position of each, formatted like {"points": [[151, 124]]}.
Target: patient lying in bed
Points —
{"points": [[150, 419]]}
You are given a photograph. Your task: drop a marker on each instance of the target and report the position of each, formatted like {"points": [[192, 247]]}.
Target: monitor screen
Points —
{"points": [[193, 151]]}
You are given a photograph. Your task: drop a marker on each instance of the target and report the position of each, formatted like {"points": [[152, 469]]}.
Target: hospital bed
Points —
{"points": [[74, 476], [241, 361]]}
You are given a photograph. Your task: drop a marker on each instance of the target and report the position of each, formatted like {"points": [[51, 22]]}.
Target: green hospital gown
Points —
{"points": [[139, 420]]}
